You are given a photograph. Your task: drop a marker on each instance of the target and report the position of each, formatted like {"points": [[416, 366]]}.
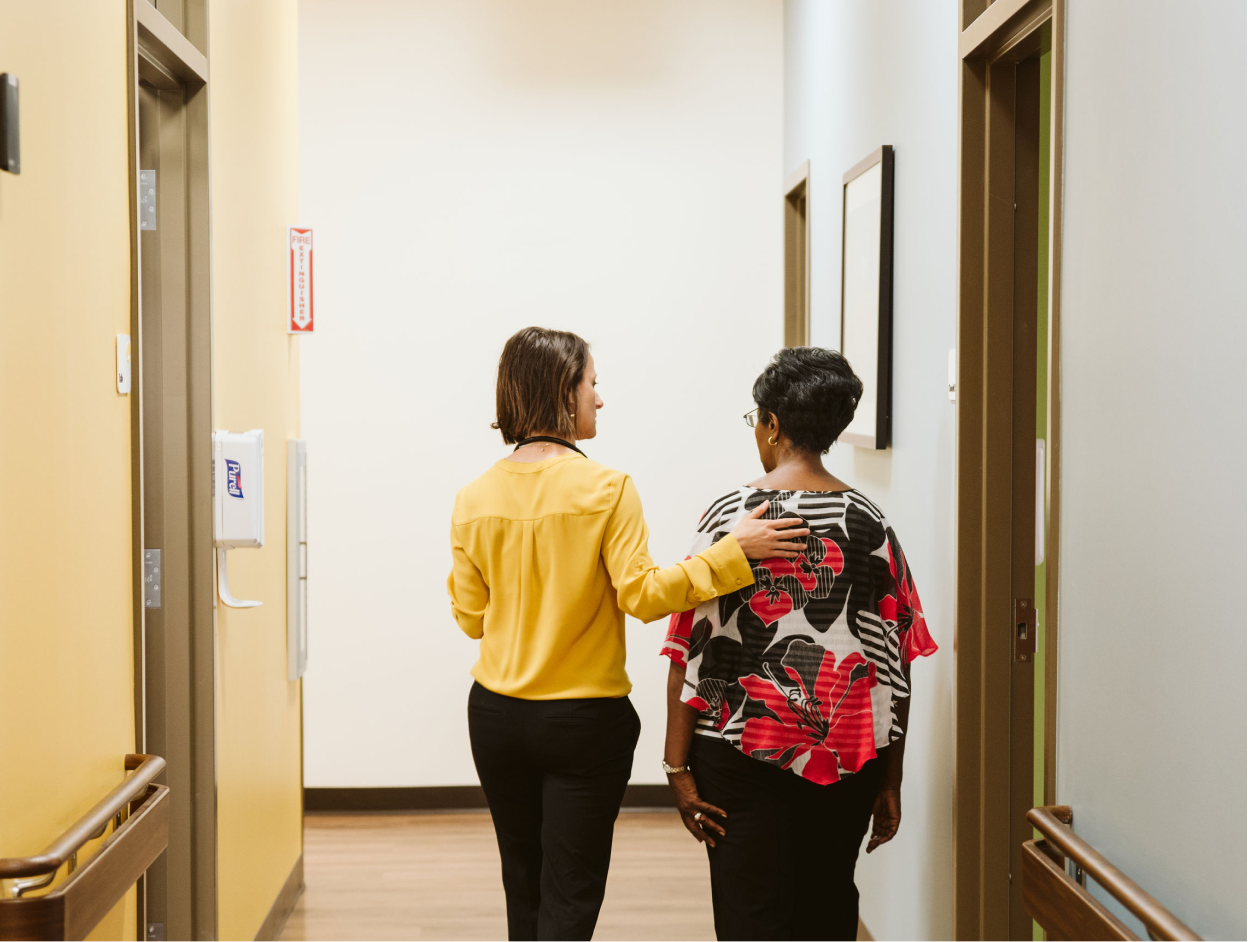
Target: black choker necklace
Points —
{"points": [[553, 441]]}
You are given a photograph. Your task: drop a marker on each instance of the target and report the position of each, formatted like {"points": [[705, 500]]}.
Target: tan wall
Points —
{"points": [[255, 195], [66, 631], [66, 674]]}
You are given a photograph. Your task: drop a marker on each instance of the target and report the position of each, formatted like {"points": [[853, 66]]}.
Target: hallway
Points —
{"points": [[963, 276], [436, 876]]}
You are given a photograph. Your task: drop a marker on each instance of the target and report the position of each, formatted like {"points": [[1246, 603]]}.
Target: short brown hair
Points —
{"points": [[537, 378]]}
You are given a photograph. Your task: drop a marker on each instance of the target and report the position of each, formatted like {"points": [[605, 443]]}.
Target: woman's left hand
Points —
{"points": [[885, 817], [694, 812], [784, 538]]}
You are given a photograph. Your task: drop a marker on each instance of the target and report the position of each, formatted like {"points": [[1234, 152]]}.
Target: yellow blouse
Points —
{"points": [[547, 557]]}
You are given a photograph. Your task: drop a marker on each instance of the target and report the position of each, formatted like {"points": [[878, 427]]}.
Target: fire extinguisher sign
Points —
{"points": [[299, 275]]}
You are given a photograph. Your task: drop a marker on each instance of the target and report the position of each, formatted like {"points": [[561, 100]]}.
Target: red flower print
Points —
{"points": [[709, 698], [820, 554], [904, 610], [832, 557], [799, 569], [679, 630], [778, 591], [771, 604], [830, 727], [784, 585]]}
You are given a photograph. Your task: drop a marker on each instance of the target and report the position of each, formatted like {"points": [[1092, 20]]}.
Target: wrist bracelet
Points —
{"points": [[674, 769]]}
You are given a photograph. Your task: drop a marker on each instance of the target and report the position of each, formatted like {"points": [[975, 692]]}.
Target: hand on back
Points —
{"points": [[767, 539]]}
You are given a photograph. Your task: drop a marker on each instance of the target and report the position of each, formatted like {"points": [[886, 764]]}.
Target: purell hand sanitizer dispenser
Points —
{"points": [[237, 500]]}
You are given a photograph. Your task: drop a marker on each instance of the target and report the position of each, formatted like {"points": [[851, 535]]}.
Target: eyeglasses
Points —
{"points": [[751, 417]]}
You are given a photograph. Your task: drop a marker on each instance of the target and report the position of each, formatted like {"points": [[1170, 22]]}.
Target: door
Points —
{"points": [[797, 258], [1007, 401], [1026, 525]]}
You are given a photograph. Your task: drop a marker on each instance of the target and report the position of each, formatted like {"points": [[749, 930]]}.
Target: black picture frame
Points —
{"points": [[865, 324]]}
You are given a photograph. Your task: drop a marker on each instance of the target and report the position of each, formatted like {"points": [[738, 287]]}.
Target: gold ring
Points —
{"points": [[698, 816]]}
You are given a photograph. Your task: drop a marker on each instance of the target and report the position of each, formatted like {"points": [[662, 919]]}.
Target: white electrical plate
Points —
{"points": [[123, 363]]}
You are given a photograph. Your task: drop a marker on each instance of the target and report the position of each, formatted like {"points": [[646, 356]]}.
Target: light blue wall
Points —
{"points": [[1151, 730], [857, 75], [1151, 663]]}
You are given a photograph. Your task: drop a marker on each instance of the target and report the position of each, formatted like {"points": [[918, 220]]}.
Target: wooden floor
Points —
{"points": [[436, 876]]}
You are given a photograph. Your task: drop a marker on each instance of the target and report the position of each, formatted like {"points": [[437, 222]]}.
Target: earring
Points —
{"points": [[772, 440]]}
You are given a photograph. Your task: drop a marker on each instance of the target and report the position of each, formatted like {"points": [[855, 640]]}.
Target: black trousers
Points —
{"points": [[554, 773], [785, 870]]}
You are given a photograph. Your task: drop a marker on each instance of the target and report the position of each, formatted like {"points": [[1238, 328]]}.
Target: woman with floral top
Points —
{"points": [[788, 700]]}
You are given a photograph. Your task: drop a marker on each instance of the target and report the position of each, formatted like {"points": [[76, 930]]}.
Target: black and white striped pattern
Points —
{"points": [[721, 510], [821, 509]]}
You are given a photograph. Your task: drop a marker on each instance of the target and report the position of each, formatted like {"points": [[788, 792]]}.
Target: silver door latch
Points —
{"points": [[1026, 626]]}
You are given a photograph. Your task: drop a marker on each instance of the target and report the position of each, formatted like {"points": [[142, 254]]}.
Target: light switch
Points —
{"points": [[123, 363]]}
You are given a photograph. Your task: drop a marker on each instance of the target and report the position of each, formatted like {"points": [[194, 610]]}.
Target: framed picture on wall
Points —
{"points": [[867, 293]]}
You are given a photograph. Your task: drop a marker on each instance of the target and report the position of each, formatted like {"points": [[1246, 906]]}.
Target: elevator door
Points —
{"points": [[174, 353]]}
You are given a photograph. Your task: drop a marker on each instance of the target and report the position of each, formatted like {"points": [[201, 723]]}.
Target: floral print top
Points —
{"points": [[803, 668]]}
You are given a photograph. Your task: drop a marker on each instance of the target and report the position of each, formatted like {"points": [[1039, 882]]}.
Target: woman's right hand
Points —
{"points": [[767, 539], [690, 806]]}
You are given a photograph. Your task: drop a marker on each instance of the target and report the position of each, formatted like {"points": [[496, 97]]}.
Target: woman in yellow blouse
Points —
{"points": [[549, 552]]}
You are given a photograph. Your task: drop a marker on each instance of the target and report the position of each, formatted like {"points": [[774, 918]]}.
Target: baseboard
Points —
{"points": [[284, 905], [445, 798], [430, 798]]}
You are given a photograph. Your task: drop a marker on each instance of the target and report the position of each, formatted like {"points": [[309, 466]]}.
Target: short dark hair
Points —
{"points": [[813, 392], [537, 377]]}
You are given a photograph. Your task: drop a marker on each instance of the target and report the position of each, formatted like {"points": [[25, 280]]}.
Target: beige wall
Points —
{"points": [[474, 167], [255, 195], [66, 675]]}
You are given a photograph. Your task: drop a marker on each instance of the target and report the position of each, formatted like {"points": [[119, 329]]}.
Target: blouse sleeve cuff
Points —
{"points": [[730, 570]]}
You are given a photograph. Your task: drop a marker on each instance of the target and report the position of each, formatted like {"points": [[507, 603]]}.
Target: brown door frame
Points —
{"points": [[995, 37], [797, 257], [174, 654]]}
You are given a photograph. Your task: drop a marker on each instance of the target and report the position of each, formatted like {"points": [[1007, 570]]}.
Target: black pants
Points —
{"points": [[554, 773], [785, 870]]}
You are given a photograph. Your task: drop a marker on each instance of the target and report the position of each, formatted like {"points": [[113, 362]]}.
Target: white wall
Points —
{"points": [[859, 74], [1151, 688], [472, 167]]}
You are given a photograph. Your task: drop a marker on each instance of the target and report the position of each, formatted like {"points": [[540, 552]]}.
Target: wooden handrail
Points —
{"points": [[1053, 822], [91, 825], [89, 892]]}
